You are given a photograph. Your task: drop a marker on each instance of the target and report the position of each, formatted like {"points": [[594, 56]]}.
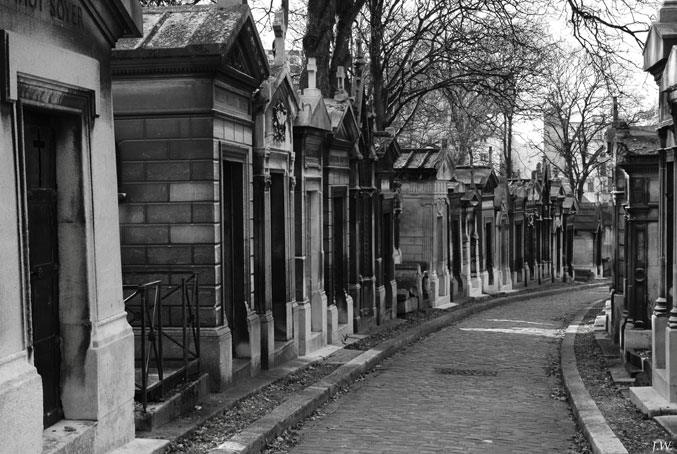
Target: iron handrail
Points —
{"points": [[151, 301]]}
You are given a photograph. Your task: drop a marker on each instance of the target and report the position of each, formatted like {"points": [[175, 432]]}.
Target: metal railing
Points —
{"points": [[168, 350]]}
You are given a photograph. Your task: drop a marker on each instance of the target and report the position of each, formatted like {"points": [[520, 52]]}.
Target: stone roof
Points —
{"points": [[418, 159], [336, 111], [481, 175], [187, 26], [591, 216], [639, 140]]}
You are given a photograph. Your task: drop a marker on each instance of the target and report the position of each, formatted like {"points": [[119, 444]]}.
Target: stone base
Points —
{"points": [[20, 406], [649, 402], [505, 280], [474, 286], [254, 328], [267, 340], [440, 301], [318, 316], [69, 436], [303, 322], [285, 351], [381, 314], [315, 342], [216, 356], [406, 304], [636, 338], [159, 413], [365, 323], [332, 325], [143, 446], [616, 317]]}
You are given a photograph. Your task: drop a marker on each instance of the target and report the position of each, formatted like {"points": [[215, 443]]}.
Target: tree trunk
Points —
{"points": [[507, 149], [380, 97], [317, 42]]}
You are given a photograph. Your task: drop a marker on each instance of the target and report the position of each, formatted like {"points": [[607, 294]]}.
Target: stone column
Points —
{"points": [[262, 267], [659, 322], [671, 357]]}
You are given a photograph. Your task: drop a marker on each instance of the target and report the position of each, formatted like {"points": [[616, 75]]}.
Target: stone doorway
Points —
{"points": [[278, 221], [43, 256], [338, 226], [232, 200], [489, 251]]}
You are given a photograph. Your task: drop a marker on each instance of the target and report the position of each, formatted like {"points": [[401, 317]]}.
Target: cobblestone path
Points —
{"points": [[479, 386]]}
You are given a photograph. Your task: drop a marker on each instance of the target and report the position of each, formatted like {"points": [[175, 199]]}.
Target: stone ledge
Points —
{"points": [[143, 446], [669, 423], [590, 419], [650, 402], [69, 436], [182, 402]]}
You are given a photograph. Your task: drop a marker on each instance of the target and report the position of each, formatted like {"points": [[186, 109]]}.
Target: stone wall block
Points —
{"points": [[167, 171], [132, 172], [206, 255], [192, 149], [204, 170], [169, 255], [132, 214], [143, 234], [134, 255], [205, 212], [145, 192], [168, 213], [166, 128], [128, 129], [201, 127], [143, 150], [189, 192], [194, 233]]}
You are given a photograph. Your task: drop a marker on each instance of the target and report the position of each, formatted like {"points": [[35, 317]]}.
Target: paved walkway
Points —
{"points": [[479, 386]]}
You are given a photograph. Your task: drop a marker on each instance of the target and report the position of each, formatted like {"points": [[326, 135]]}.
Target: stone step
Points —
{"points": [[284, 351], [143, 446], [600, 323], [620, 375], [67, 436], [159, 413]]}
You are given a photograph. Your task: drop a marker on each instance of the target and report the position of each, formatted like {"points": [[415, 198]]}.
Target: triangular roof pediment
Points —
{"points": [[343, 121], [179, 36], [282, 90], [313, 111]]}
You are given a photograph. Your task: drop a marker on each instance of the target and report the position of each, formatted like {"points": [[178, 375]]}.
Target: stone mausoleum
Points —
{"points": [[65, 375]]}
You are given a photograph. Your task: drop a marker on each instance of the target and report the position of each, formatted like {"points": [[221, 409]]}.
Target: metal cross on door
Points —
{"points": [[40, 155]]}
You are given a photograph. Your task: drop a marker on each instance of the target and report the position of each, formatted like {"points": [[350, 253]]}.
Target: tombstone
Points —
{"points": [[66, 349], [185, 124]]}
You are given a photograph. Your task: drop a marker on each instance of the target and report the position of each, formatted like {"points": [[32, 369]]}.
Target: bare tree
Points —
{"points": [[576, 110]]}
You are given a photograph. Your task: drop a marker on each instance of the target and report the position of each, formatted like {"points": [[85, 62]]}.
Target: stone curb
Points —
{"points": [[590, 419], [256, 436]]}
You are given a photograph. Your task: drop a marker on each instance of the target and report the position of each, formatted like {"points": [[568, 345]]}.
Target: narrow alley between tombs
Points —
{"points": [[484, 384]]}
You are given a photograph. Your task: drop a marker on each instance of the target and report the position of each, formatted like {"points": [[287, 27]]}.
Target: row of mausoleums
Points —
{"points": [[186, 157], [644, 315], [465, 232], [281, 202]]}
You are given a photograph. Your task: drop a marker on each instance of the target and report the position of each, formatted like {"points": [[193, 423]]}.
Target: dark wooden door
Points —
{"points": [[40, 154], [233, 255]]}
